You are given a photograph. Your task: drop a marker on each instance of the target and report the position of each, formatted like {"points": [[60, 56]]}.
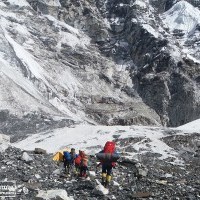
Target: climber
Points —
{"points": [[81, 164], [69, 160], [107, 157], [78, 162]]}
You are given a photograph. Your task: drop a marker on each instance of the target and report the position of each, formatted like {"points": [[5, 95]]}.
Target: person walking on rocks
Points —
{"points": [[81, 164], [107, 157], [84, 165], [69, 160]]}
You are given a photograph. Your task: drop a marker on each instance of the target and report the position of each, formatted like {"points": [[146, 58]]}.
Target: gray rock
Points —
{"points": [[4, 142], [40, 151], [142, 172], [198, 144], [142, 195], [25, 157], [37, 176], [57, 172], [52, 194]]}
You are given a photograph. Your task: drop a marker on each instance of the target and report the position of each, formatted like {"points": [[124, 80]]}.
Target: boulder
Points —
{"points": [[4, 142], [25, 157], [40, 151], [53, 194]]}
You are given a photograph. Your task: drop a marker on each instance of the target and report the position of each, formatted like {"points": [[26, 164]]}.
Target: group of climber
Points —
{"points": [[79, 162], [107, 157]]}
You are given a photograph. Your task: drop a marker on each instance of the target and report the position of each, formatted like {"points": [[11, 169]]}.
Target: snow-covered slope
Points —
{"points": [[192, 126], [87, 137], [75, 61], [92, 139], [182, 16], [50, 68], [183, 21], [31, 81]]}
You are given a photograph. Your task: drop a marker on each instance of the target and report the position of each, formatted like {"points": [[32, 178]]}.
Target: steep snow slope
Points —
{"points": [[99, 62], [192, 126], [182, 16], [183, 21], [51, 68], [33, 79]]}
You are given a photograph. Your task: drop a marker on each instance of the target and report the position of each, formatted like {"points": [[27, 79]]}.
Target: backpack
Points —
{"points": [[67, 156], [78, 160], [84, 160], [109, 147], [107, 157]]}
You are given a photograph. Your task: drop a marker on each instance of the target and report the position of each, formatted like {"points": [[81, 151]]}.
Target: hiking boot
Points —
{"points": [[103, 181], [108, 179]]}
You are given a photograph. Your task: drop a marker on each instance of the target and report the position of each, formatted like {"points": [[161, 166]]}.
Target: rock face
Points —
{"points": [[117, 62], [164, 74], [58, 74]]}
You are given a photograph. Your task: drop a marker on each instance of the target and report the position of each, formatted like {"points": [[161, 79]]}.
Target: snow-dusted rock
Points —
{"points": [[25, 157], [92, 173], [37, 176], [100, 189], [4, 142], [53, 194], [57, 172], [142, 171]]}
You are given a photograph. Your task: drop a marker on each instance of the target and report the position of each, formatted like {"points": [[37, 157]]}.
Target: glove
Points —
{"points": [[114, 165]]}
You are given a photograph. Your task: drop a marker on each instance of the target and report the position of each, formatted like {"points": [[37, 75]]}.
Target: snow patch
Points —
{"points": [[140, 3], [192, 126], [151, 30], [62, 24], [26, 58], [19, 2], [192, 58], [55, 3], [17, 77], [73, 38]]}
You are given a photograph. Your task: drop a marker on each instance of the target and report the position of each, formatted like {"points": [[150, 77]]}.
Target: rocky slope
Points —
{"points": [[113, 62], [141, 173], [53, 73], [68, 65], [165, 55]]}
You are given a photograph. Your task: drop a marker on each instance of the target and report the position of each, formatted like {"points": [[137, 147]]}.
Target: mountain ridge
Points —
{"points": [[102, 63]]}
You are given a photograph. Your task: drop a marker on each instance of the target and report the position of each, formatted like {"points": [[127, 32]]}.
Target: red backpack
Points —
{"points": [[78, 160], [109, 147]]}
